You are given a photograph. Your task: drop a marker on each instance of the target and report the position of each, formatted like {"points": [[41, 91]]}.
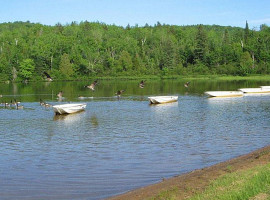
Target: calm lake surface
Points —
{"points": [[120, 145]]}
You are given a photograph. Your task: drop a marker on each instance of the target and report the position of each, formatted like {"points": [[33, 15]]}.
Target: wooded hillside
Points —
{"points": [[85, 49]]}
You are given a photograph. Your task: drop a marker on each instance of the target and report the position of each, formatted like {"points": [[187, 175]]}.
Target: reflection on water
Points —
{"points": [[256, 94], [94, 121], [224, 99], [68, 118], [115, 146]]}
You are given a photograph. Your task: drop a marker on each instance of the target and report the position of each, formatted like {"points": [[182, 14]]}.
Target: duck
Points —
{"points": [[186, 84], [92, 85], [141, 85]]}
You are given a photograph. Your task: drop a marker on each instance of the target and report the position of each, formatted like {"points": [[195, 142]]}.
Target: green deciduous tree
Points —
{"points": [[66, 67], [27, 68]]}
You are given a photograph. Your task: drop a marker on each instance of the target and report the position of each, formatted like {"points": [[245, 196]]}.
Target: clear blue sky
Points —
{"points": [[123, 12]]}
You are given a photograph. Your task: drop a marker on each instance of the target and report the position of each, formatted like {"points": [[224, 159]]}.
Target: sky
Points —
{"points": [[132, 12]]}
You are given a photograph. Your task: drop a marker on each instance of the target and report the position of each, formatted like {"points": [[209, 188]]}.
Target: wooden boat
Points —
{"points": [[68, 108], [255, 90], [224, 93], [162, 99]]}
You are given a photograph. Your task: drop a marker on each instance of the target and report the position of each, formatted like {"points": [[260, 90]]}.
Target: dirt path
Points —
{"points": [[195, 181]]}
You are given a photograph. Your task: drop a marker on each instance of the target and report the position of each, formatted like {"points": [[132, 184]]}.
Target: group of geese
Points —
{"points": [[13, 104], [60, 94]]}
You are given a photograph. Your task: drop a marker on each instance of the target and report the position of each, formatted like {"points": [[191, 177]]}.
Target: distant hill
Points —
{"points": [[96, 49]]}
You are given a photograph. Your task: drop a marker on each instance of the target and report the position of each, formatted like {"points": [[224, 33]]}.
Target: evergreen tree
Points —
{"points": [[201, 44], [246, 33]]}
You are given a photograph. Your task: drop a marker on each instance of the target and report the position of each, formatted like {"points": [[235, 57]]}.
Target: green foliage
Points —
{"points": [[66, 67], [27, 68], [95, 49], [245, 64], [201, 44]]}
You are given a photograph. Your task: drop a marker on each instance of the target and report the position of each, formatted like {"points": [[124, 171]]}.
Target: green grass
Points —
{"points": [[239, 185], [166, 195]]}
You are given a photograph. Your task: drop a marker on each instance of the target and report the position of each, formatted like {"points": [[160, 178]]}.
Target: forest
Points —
{"points": [[83, 50]]}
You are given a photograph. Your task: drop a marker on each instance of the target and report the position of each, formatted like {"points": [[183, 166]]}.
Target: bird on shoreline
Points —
{"points": [[92, 85], [142, 83]]}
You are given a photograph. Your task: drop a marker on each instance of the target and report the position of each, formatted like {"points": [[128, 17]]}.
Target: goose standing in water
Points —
{"points": [[142, 83], [92, 86], [16, 103]]}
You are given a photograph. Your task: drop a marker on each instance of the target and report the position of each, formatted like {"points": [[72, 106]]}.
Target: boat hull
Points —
{"points": [[68, 108], [162, 99], [224, 93], [265, 87], [255, 90]]}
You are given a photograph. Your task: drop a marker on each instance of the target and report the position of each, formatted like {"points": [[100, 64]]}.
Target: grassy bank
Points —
{"points": [[239, 185], [243, 177], [252, 183]]}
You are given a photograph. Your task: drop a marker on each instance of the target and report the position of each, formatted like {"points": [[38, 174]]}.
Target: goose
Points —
{"points": [[119, 92], [186, 84], [92, 86], [141, 85], [46, 105], [41, 102], [18, 106], [15, 101], [60, 94], [49, 78], [7, 104]]}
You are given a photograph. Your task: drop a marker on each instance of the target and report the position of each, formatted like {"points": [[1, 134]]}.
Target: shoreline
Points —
{"points": [[219, 77], [190, 183]]}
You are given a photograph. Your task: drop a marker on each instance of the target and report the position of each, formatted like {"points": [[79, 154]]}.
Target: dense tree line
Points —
{"points": [[80, 50]]}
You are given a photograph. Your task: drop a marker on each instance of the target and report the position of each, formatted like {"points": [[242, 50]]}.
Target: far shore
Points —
{"points": [[189, 184], [220, 77]]}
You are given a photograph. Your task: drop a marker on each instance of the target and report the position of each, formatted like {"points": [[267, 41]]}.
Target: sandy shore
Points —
{"points": [[197, 180]]}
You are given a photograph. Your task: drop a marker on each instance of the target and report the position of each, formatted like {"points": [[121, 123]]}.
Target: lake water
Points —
{"points": [[117, 145]]}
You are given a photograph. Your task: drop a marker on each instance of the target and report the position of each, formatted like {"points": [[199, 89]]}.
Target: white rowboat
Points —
{"points": [[162, 99], [255, 90], [265, 87], [224, 93], [68, 108]]}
